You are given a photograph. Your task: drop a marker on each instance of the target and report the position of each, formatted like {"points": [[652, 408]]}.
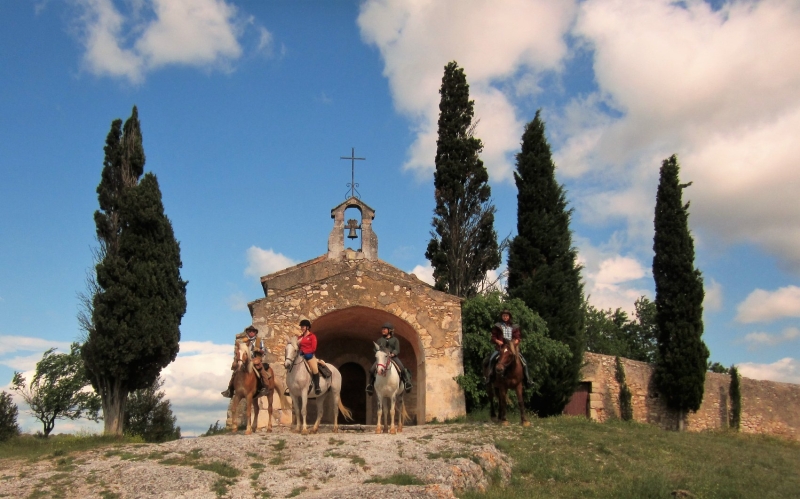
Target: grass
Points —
{"points": [[567, 457], [33, 448], [396, 479], [352, 457]]}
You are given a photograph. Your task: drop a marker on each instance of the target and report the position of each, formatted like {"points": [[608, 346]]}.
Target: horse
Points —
{"points": [[245, 384], [298, 379], [389, 386], [508, 375]]}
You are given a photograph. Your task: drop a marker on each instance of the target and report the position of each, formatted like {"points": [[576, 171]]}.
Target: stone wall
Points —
{"points": [[768, 407]]}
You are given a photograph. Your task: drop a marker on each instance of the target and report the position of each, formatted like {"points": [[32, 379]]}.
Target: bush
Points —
{"points": [[8, 417]]}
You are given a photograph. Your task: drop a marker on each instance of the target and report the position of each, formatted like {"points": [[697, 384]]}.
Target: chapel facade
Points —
{"points": [[348, 294]]}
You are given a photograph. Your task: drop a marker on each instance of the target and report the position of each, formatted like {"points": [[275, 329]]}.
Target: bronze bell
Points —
{"points": [[352, 234]]}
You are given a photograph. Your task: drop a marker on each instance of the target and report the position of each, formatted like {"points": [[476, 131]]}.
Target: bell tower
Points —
{"points": [[369, 241]]}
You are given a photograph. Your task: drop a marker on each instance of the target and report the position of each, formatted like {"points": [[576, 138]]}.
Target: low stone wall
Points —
{"points": [[768, 407]]}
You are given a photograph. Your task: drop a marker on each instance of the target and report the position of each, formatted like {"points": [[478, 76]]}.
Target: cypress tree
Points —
{"points": [[682, 356], [140, 298], [735, 392], [542, 264], [463, 245]]}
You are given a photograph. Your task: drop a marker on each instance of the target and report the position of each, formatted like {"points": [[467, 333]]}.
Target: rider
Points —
{"points": [[308, 346], [389, 342], [256, 345], [504, 330]]}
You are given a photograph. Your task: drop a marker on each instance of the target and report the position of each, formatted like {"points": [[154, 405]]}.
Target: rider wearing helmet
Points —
{"points": [[307, 343], [256, 345], [504, 330], [388, 342]]}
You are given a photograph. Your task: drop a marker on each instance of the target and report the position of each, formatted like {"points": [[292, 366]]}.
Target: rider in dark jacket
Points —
{"points": [[504, 330], [388, 342]]}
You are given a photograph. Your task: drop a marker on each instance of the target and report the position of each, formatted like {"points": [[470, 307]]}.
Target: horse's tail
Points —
{"points": [[348, 415], [406, 417], [280, 388]]}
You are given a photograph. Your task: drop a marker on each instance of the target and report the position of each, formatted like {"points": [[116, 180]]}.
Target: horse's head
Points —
{"points": [[381, 359], [507, 357], [290, 353], [242, 354]]}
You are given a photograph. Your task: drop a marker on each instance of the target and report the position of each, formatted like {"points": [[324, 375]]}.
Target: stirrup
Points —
{"points": [[286, 392], [408, 388], [370, 389], [227, 394]]}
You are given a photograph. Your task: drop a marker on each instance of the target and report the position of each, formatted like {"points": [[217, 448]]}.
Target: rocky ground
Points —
{"points": [[442, 459]]}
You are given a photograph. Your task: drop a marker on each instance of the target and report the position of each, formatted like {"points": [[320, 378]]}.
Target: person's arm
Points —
{"points": [[395, 347], [313, 343]]}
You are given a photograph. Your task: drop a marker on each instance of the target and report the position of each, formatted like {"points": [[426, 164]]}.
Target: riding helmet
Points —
{"points": [[388, 326], [306, 323]]}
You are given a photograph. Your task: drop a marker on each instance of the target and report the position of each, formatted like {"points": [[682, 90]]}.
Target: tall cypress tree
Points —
{"points": [[542, 266], [140, 298], [463, 245], [682, 356]]}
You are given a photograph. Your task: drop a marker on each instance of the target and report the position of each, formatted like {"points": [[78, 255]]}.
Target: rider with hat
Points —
{"points": [[502, 331], [256, 345], [388, 342], [307, 343]]}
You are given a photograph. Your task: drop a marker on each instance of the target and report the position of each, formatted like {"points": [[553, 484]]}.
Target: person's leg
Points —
{"points": [[312, 363], [526, 375], [371, 382], [229, 392], [405, 374]]}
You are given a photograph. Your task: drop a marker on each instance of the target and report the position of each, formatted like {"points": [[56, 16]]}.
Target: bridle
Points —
{"points": [[291, 361], [501, 368], [384, 367]]}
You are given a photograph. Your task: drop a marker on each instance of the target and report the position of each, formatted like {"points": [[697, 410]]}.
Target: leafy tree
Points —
{"points": [[463, 245], [542, 264], [681, 366], [716, 367], [613, 333], [478, 315], [625, 396], [735, 392], [136, 309], [149, 415], [57, 389], [8, 417]]}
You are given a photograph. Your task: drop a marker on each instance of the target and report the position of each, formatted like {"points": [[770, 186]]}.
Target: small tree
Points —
{"points": [[625, 406], [736, 398], [149, 415], [681, 366], [57, 389], [716, 367], [463, 245], [478, 315], [8, 417]]}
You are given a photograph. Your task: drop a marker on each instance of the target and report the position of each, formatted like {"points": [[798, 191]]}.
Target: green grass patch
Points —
{"points": [[220, 487], [297, 491], [566, 457], [279, 445], [396, 479], [32, 448], [448, 454], [352, 457], [220, 468], [277, 460]]}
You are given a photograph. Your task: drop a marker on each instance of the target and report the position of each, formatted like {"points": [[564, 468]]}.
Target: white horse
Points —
{"points": [[389, 386], [298, 380]]}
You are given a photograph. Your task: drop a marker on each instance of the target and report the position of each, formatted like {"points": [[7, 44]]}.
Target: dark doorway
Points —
{"points": [[579, 403], [354, 381]]}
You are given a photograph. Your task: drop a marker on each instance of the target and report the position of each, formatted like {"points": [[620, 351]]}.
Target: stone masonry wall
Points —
{"points": [[768, 407]]}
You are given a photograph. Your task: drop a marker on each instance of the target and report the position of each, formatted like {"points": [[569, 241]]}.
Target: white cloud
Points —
{"points": [[759, 339], [714, 298], [786, 370], [425, 273], [610, 279], [263, 262], [766, 306], [721, 89], [487, 39], [199, 33], [11, 344]]}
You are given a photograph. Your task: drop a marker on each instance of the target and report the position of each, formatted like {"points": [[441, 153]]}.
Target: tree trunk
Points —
{"points": [[114, 398]]}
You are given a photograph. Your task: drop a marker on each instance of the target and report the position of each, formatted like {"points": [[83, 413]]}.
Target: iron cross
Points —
{"points": [[352, 185]]}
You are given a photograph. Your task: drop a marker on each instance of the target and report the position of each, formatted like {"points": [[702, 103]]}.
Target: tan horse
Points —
{"points": [[508, 375], [245, 385], [273, 386]]}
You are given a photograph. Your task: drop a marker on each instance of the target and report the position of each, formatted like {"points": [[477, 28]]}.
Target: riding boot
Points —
{"points": [[407, 380], [526, 375], [229, 392], [371, 385], [315, 379]]}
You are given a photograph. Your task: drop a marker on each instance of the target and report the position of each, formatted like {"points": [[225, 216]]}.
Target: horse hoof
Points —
{"points": [[336, 430], [399, 430], [526, 423], [304, 432], [504, 423], [392, 431], [269, 430], [378, 431], [314, 431], [248, 432]]}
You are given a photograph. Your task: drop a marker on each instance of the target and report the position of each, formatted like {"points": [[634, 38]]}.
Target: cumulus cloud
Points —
{"points": [[766, 306], [713, 299], [786, 370], [611, 280], [425, 273], [156, 33], [262, 262], [501, 56], [760, 339], [719, 88]]}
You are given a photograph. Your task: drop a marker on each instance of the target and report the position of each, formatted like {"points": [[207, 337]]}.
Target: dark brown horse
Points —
{"points": [[508, 375]]}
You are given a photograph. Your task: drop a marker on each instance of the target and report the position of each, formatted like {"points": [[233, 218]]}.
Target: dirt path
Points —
{"points": [[443, 458]]}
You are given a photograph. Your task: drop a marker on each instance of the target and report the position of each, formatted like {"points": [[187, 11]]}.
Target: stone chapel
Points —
{"points": [[348, 294]]}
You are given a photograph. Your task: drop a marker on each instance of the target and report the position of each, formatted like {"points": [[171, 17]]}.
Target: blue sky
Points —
{"points": [[246, 108]]}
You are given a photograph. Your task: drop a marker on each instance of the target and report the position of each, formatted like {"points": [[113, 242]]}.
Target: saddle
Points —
{"points": [[323, 369]]}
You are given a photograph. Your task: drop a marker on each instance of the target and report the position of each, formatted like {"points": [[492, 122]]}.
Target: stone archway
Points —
{"points": [[347, 335]]}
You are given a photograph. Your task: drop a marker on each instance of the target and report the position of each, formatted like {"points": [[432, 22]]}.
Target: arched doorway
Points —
{"points": [[354, 397], [346, 337]]}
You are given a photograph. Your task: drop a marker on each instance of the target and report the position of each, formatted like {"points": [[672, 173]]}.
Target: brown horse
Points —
{"points": [[273, 386], [508, 375], [244, 387]]}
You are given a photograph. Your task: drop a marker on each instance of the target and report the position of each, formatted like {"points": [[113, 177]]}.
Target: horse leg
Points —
{"points": [[400, 414], [270, 393], [320, 400], [336, 401], [503, 396], [296, 406], [248, 405], [392, 431], [520, 398], [378, 427], [304, 410], [235, 412], [492, 415]]}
